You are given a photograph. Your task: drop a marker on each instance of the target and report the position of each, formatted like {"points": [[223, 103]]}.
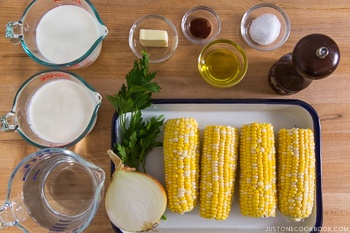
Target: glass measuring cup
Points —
{"points": [[53, 109], [52, 190], [59, 33]]}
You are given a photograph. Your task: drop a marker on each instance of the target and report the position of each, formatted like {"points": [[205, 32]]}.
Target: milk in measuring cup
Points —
{"points": [[65, 33], [59, 111]]}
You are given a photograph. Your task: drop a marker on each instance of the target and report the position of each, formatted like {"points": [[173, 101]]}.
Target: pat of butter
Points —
{"points": [[153, 38]]}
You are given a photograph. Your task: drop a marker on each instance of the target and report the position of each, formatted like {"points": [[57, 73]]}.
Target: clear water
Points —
{"points": [[58, 193]]}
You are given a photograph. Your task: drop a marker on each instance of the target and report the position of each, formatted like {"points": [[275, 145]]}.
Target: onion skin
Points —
{"points": [[135, 201]]}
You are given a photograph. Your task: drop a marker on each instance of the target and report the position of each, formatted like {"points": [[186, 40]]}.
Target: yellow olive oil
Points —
{"points": [[221, 66]]}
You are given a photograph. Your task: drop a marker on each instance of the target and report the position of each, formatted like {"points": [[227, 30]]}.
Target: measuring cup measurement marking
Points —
{"points": [[77, 1], [54, 145], [28, 166], [26, 174], [59, 227], [36, 173], [63, 224], [55, 75]]}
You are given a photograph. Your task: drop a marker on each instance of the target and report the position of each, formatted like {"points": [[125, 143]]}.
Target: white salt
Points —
{"points": [[265, 29]]}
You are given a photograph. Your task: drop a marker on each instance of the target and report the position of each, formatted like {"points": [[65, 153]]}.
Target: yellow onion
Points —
{"points": [[135, 201]]}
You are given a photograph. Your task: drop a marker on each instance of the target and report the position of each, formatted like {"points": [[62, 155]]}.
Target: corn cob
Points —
{"points": [[218, 168], [181, 163], [296, 173], [257, 192]]}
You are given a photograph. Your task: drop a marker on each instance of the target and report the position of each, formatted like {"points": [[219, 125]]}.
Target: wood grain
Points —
{"points": [[179, 78]]}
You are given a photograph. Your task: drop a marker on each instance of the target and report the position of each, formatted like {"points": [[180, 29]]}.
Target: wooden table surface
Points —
{"points": [[179, 78]]}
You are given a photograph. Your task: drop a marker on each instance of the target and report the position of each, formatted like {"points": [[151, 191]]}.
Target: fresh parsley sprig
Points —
{"points": [[139, 137], [137, 94]]}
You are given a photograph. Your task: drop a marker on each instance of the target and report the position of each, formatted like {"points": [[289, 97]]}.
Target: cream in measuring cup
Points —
{"points": [[53, 109], [59, 111], [65, 34]]}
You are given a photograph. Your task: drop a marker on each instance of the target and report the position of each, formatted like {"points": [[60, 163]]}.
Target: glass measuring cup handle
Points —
{"points": [[9, 122], [14, 31], [11, 213]]}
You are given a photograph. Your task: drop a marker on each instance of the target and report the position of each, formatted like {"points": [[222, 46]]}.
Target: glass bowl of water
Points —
{"points": [[52, 190]]}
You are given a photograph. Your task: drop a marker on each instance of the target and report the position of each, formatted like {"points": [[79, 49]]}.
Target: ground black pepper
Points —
{"points": [[200, 28]]}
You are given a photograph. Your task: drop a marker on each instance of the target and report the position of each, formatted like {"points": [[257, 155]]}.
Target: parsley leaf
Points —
{"points": [[139, 137], [137, 93]]}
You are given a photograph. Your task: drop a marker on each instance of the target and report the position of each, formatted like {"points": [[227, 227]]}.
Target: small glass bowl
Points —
{"points": [[154, 22], [222, 63], [201, 12], [255, 12]]}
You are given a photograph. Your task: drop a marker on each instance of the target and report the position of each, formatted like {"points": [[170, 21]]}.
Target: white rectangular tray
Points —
{"points": [[235, 112]]}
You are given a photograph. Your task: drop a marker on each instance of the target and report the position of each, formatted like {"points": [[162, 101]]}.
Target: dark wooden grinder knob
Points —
{"points": [[314, 57]]}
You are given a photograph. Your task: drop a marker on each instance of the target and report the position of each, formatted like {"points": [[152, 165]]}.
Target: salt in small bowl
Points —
{"points": [[270, 14]]}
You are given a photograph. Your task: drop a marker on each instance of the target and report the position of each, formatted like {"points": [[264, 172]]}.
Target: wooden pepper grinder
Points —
{"points": [[314, 57]]}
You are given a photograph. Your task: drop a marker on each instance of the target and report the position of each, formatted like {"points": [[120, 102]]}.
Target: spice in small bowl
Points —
{"points": [[201, 25], [200, 28]]}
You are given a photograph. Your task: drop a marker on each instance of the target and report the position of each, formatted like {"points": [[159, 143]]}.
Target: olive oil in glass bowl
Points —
{"points": [[222, 63]]}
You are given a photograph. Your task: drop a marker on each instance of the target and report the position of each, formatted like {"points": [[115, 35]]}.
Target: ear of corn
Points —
{"points": [[218, 168], [257, 189], [296, 173], [181, 163]]}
